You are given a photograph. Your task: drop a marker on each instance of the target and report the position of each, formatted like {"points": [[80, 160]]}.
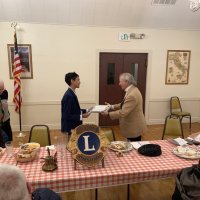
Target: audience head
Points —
{"points": [[125, 80], [13, 183], [1, 86], [72, 79]]}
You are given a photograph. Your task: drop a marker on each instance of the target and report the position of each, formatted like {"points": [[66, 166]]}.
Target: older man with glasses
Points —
{"points": [[129, 111]]}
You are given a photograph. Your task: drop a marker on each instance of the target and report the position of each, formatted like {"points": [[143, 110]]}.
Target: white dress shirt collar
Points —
{"points": [[72, 90], [127, 89]]}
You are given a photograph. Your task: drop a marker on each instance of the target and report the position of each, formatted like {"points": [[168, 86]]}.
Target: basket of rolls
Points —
{"points": [[28, 152]]}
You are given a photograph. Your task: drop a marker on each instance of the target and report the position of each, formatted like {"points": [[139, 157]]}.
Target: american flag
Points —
{"points": [[16, 74]]}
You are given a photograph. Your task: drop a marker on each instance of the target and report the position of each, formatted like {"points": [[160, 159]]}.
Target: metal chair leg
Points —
{"points": [[96, 194], [128, 192]]}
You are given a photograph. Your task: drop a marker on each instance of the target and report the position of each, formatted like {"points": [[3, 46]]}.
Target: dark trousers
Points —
{"points": [[7, 129], [1, 140], [139, 138]]}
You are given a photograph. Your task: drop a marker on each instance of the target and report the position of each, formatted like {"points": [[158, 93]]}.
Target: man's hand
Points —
{"points": [[90, 109], [86, 115], [109, 106], [105, 113]]}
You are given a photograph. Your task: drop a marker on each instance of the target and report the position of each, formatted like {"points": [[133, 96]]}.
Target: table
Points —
{"points": [[131, 168]]}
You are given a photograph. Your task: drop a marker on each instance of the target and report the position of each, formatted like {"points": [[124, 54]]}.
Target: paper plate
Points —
{"points": [[120, 146], [187, 152]]}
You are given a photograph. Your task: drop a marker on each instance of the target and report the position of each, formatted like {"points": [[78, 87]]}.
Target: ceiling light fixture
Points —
{"points": [[15, 25], [194, 5]]}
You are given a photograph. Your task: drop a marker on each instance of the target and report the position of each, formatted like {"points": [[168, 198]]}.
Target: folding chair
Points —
{"points": [[108, 131], [172, 127], [176, 109], [40, 134]]}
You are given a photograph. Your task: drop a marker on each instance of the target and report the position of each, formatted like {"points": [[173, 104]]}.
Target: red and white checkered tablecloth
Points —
{"points": [[130, 168], [4, 158]]}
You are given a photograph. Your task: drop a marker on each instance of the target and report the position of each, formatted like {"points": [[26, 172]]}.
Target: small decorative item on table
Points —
{"points": [[50, 162]]}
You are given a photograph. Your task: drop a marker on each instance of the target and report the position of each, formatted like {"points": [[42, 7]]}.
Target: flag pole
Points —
{"points": [[20, 118], [20, 135]]}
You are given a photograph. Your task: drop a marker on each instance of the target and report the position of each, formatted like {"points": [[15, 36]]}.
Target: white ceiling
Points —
{"points": [[120, 13]]}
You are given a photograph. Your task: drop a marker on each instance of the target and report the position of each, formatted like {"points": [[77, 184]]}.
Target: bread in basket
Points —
{"points": [[28, 152]]}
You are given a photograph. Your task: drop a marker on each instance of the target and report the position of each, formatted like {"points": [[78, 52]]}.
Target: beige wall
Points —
{"points": [[59, 49]]}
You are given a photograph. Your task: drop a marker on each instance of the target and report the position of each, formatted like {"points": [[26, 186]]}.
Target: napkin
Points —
{"points": [[52, 147], [197, 138], [137, 145], [178, 141]]}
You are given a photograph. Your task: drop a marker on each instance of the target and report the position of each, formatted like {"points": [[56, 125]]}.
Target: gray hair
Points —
{"points": [[129, 78], [12, 183]]}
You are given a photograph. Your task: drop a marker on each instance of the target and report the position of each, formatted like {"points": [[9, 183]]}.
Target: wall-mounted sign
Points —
{"points": [[130, 36], [88, 145], [124, 36]]}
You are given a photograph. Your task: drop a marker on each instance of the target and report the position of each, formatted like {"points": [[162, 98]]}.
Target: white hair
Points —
{"points": [[12, 183], [129, 78]]}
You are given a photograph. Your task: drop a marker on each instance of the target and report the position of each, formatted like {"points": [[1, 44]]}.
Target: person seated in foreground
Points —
{"points": [[13, 183], [13, 186]]}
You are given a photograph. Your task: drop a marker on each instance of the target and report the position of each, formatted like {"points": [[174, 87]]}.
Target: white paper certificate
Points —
{"points": [[100, 108]]}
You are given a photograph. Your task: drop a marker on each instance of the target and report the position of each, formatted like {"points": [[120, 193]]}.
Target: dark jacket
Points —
{"points": [[70, 111], [45, 194], [2, 144], [188, 184]]}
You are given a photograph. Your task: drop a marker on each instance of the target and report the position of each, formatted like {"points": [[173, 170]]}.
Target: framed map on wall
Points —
{"points": [[178, 64]]}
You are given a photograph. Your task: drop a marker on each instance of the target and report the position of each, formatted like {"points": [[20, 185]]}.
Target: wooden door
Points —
{"points": [[109, 91], [111, 66]]}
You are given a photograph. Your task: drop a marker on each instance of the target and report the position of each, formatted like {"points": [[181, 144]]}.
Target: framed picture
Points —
{"points": [[178, 64], [25, 55]]}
